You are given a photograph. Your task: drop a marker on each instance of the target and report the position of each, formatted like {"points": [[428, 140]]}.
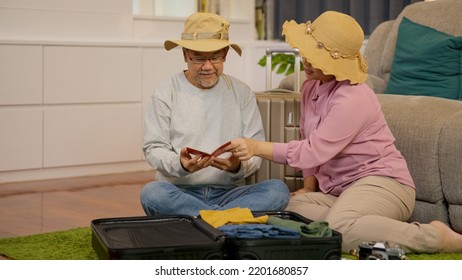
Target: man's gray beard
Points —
{"points": [[208, 85]]}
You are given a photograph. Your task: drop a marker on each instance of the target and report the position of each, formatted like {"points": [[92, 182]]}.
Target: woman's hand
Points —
{"points": [[310, 184], [242, 148], [245, 148]]}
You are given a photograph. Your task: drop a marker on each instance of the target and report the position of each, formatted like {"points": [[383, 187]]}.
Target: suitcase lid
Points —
{"points": [[162, 231]]}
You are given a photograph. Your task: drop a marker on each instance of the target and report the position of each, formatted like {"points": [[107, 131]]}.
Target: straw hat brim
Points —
{"points": [[203, 45], [342, 68]]}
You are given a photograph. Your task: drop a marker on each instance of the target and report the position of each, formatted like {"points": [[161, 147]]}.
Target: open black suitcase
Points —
{"points": [[166, 237], [303, 248], [180, 237]]}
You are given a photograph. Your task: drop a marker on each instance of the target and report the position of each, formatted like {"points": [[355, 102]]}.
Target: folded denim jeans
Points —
{"points": [[253, 231]]}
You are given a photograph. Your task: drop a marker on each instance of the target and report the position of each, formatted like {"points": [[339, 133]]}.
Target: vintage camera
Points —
{"points": [[379, 251]]}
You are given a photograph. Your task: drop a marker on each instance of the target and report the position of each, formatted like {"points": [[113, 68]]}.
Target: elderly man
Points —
{"points": [[191, 115]]}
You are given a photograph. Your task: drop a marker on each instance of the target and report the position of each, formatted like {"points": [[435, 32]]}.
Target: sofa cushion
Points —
{"points": [[426, 62], [442, 15]]}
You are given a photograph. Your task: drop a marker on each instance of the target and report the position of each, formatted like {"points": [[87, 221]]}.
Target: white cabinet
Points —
{"points": [[20, 74], [86, 74], [71, 106], [82, 135], [21, 139]]}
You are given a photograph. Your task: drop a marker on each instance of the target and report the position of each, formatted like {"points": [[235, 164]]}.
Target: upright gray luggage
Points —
{"points": [[280, 112]]}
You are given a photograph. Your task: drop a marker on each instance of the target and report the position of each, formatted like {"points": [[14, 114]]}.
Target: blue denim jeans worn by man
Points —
{"points": [[165, 198]]}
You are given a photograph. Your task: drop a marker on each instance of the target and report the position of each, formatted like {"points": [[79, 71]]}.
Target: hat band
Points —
{"points": [[204, 35], [335, 53]]}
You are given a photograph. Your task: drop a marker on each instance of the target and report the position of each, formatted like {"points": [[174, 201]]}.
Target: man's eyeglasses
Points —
{"points": [[202, 60]]}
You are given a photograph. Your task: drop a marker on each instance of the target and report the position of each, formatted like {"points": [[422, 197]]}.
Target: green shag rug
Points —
{"points": [[75, 244]]}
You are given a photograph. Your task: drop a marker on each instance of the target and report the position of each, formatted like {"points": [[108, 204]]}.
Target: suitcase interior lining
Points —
{"points": [[153, 233]]}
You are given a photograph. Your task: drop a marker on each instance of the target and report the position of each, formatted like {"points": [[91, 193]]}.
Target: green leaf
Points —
{"points": [[281, 63], [262, 61]]}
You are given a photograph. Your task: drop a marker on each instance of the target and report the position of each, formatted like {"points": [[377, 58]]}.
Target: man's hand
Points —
{"points": [[231, 164], [196, 163]]}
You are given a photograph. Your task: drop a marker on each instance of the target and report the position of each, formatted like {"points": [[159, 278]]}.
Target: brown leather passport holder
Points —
{"points": [[218, 151]]}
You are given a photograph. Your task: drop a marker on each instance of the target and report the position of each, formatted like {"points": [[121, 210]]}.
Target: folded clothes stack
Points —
{"points": [[258, 231], [241, 223]]}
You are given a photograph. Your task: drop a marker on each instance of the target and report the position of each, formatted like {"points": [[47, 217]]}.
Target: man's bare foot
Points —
{"points": [[450, 241]]}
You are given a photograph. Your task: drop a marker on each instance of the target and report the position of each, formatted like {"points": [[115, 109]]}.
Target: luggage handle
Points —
{"points": [[296, 53]]}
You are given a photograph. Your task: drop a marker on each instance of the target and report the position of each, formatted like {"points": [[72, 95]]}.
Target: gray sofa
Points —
{"points": [[428, 130]]}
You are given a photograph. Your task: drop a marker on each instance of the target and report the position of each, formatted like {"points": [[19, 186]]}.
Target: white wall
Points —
{"points": [[74, 79]]}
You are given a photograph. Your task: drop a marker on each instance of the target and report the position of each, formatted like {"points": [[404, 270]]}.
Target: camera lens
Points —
{"points": [[376, 257]]}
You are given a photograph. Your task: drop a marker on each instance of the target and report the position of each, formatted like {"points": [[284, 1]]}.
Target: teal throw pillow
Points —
{"points": [[426, 62]]}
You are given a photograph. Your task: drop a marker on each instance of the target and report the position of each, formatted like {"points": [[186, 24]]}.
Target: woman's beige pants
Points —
{"points": [[373, 208]]}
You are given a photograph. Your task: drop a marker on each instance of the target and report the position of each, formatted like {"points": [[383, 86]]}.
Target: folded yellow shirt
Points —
{"points": [[218, 218]]}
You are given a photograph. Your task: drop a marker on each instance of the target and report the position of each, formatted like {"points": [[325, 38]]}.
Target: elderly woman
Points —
{"points": [[354, 176]]}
